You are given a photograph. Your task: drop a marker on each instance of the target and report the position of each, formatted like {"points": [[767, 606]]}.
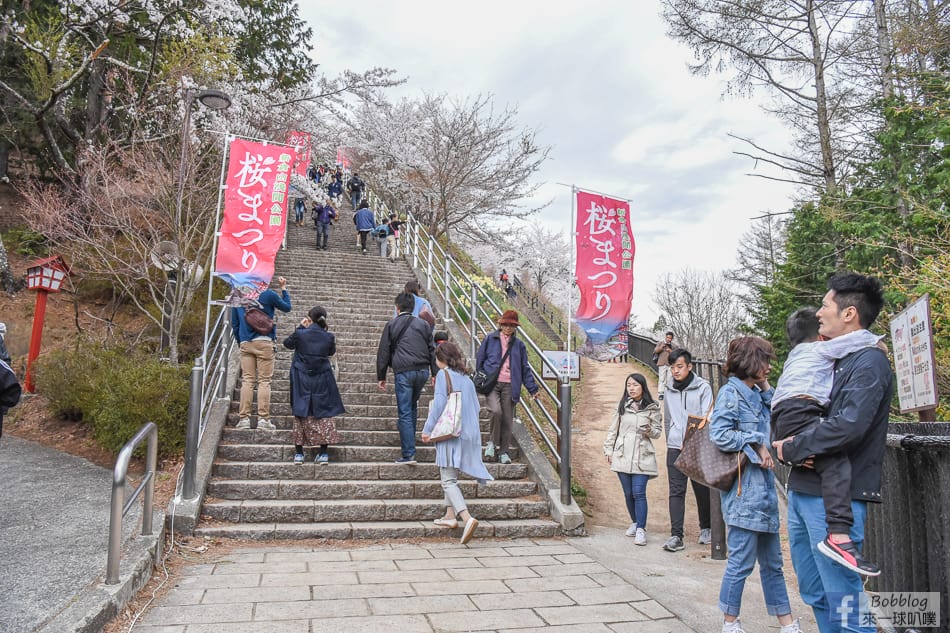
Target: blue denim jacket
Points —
{"points": [[740, 417]]}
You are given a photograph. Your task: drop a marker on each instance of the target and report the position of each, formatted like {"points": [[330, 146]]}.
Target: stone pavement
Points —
{"points": [[528, 585], [54, 527]]}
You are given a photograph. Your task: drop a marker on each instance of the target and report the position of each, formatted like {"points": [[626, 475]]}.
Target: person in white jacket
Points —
{"points": [[686, 394], [629, 449]]}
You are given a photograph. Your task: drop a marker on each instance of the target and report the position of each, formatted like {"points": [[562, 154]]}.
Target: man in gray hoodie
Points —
{"points": [[685, 395]]}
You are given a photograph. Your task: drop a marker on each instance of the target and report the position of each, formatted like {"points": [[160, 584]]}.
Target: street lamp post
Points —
{"points": [[214, 100]]}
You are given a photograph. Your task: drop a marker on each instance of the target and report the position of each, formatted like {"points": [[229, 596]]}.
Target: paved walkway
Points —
{"points": [[54, 526], [528, 585]]}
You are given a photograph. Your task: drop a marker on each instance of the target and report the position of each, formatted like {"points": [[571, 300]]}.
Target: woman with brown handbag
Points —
{"points": [[740, 423], [629, 449]]}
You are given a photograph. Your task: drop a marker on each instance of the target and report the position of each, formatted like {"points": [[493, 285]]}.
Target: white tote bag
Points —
{"points": [[449, 424]]}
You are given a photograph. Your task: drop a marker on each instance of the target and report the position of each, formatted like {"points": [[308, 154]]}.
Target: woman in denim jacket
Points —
{"points": [[750, 509]]}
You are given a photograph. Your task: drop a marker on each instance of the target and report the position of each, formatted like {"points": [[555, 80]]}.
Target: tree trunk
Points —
{"points": [[7, 280], [884, 50], [821, 103]]}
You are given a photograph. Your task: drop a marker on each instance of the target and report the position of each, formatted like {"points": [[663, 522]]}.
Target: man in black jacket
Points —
{"points": [[406, 345], [9, 391], [856, 426]]}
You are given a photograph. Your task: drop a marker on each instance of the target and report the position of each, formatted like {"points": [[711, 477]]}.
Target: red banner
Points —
{"points": [[300, 141], [605, 250], [342, 160], [255, 213]]}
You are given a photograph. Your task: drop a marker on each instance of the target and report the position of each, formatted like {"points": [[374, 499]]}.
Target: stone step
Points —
{"points": [[313, 490], [337, 510], [343, 423], [351, 437], [335, 471], [280, 407], [337, 452], [385, 530]]}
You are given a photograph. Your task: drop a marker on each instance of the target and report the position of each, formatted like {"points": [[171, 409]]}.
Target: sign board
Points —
{"points": [[566, 362], [912, 338]]}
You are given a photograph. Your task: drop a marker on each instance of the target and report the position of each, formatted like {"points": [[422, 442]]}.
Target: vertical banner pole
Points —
{"points": [[214, 243]]}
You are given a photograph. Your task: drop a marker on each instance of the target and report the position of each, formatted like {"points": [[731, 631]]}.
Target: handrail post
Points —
{"points": [[564, 450], [429, 266], [191, 432], [447, 292], [223, 387], [472, 314], [118, 508], [415, 244]]}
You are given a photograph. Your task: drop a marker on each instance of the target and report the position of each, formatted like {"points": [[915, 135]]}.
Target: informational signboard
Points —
{"points": [[565, 362], [912, 338]]}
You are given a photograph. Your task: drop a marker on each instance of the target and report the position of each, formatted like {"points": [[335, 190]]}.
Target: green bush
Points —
{"points": [[117, 391], [25, 242]]}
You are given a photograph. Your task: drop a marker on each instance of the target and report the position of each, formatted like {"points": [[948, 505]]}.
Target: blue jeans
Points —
{"points": [[745, 548], [409, 386], [827, 587], [298, 212], [323, 232], [635, 493], [355, 198]]}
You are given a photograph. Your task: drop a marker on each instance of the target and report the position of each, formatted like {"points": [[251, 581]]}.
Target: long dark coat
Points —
{"points": [[313, 390]]}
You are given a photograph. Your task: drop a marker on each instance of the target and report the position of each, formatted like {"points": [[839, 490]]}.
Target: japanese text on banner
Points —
{"points": [[300, 141], [255, 213], [605, 252]]}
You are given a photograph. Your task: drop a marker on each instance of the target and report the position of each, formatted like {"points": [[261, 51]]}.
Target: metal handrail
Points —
{"points": [[120, 507], [208, 385], [445, 276]]}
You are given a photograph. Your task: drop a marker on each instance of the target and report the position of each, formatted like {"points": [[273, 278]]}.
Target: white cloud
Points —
{"points": [[606, 88]]}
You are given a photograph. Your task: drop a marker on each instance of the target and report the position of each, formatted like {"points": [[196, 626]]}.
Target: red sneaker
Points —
{"points": [[848, 555]]}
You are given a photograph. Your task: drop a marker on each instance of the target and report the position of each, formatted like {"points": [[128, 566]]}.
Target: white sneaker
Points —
{"points": [[641, 538], [266, 425], [632, 530], [243, 423], [490, 449], [791, 628], [732, 627], [705, 536]]}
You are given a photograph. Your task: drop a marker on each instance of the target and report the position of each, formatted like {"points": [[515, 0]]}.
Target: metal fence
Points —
{"points": [[908, 534]]}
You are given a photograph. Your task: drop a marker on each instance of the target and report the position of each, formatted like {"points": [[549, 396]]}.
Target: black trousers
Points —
{"points": [[678, 496], [796, 415], [363, 236]]}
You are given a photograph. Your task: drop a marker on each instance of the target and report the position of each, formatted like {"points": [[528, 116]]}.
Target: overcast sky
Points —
{"points": [[606, 88]]}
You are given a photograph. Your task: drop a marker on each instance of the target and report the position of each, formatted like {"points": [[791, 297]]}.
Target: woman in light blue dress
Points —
{"points": [[460, 454]]}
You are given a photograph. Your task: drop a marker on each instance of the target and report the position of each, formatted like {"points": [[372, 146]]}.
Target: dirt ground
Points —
{"points": [[602, 387]]}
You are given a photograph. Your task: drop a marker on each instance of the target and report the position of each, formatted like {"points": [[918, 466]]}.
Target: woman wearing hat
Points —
{"points": [[314, 396], [501, 349]]}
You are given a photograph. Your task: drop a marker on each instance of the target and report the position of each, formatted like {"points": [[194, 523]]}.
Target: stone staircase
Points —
{"points": [[257, 492]]}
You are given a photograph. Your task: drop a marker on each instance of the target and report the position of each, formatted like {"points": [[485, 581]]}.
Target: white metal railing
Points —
{"points": [[461, 297]]}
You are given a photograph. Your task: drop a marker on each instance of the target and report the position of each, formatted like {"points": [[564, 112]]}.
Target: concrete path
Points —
{"points": [[528, 585], [54, 526]]}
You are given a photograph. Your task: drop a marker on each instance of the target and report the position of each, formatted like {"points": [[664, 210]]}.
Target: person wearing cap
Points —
{"points": [[512, 374]]}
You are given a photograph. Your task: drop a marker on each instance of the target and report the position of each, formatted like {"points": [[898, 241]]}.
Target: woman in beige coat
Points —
{"points": [[629, 449]]}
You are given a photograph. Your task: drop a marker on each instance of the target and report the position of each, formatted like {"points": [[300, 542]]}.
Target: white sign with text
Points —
{"points": [[912, 338]]}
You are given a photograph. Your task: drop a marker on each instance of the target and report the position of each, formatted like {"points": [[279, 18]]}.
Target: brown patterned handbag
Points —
{"points": [[701, 460]]}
